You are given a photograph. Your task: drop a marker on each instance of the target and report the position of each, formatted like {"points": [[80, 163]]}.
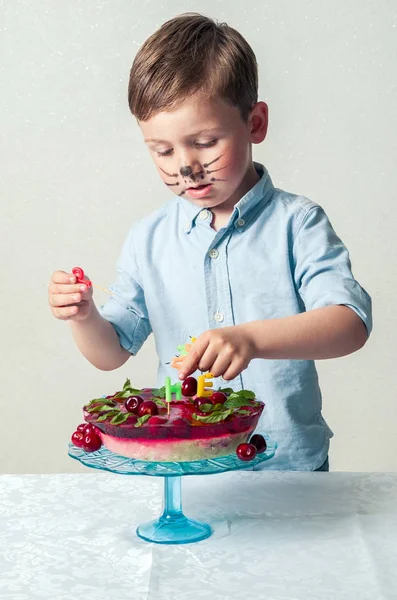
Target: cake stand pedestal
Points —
{"points": [[172, 527]]}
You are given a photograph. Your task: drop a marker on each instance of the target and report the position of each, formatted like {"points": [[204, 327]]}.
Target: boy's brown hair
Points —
{"points": [[192, 53]]}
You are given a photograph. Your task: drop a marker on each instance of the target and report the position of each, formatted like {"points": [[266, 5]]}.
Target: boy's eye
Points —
{"points": [[206, 144], [165, 152], [197, 144]]}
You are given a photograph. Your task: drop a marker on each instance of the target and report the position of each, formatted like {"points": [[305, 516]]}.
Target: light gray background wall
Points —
{"points": [[75, 175]]}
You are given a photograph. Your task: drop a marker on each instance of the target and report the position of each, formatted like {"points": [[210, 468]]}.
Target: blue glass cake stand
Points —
{"points": [[172, 527]]}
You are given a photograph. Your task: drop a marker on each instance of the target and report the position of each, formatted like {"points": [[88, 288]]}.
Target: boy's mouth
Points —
{"points": [[199, 191]]}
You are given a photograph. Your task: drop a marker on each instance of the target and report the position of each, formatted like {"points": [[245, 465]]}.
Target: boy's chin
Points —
{"points": [[205, 202]]}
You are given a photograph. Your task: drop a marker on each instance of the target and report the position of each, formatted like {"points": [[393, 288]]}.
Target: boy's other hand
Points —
{"points": [[224, 352], [68, 299]]}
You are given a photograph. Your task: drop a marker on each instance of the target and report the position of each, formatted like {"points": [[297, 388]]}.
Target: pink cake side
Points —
{"points": [[171, 450]]}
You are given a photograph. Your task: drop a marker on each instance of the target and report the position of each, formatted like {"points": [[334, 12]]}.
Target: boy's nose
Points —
{"points": [[186, 171]]}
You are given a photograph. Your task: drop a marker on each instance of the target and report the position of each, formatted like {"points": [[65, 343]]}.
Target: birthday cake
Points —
{"points": [[181, 422]]}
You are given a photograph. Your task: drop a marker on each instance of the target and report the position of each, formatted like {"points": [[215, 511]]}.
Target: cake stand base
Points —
{"points": [[174, 531], [173, 527]]}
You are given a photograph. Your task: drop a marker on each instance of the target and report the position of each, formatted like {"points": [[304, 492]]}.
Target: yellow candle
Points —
{"points": [[203, 383]]}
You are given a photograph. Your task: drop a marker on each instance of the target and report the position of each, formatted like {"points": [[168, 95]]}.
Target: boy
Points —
{"points": [[256, 273]]}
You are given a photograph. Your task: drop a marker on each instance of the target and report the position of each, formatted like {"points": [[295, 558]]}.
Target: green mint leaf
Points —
{"points": [[226, 390], [108, 415], [119, 418], [243, 395], [235, 402], [159, 402], [247, 394], [101, 408], [122, 394], [101, 401], [213, 417], [218, 406], [142, 420], [159, 392], [206, 407], [241, 398], [243, 412], [125, 393], [127, 384]]}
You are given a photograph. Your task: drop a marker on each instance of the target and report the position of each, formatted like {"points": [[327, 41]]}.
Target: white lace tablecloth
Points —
{"points": [[277, 536]]}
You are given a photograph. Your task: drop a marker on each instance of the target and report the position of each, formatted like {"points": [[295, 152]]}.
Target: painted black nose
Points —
{"points": [[186, 171]]}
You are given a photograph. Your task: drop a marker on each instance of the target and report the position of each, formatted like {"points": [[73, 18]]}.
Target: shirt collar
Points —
{"points": [[246, 208]]}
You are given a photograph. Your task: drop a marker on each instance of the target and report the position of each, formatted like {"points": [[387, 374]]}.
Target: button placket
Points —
{"points": [[217, 281], [204, 214]]}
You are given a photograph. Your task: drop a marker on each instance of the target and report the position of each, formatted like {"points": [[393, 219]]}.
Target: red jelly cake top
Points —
{"points": [[145, 413]]}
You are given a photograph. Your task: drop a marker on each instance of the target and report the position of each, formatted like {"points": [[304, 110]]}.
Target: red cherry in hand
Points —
{"points": [[132, 403], [259, 443], [147, 408], [92, 442], [189, 386], [77, 439], [80, 277], [78, 273], [246, 451], [218, 398]]}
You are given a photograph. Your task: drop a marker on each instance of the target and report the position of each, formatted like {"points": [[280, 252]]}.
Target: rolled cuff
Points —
{"points": [[132, 330]]}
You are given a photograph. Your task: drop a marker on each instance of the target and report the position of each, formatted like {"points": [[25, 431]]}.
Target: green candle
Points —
{"points": [[170, 389]]}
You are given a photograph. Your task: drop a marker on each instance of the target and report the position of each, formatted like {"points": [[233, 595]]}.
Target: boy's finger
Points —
{"points": [[220, 366], [63, 277], [66, 312], [191, 361], [64, 299], [188, 367], [234, 369], [208, 358], [60, 288]]}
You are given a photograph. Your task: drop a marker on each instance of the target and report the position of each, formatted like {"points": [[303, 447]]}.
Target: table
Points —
{"points": [[277, 536]]}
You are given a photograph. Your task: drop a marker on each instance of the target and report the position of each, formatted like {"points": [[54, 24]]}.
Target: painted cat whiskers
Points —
{"points": [[187, 171]]}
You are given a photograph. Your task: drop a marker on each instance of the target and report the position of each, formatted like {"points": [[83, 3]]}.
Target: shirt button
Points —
{"points": [[214, 253], [218, 316], [204, 214], [240, 222]]}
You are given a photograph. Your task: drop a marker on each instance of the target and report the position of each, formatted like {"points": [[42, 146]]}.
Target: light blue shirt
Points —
{"points": [[277, 256]]}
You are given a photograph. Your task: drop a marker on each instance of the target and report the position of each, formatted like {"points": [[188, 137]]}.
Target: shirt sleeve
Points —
{"points": [[323, 274], [126, 308]]}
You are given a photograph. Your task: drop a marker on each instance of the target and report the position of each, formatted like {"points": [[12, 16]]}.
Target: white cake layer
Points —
{"points": [[175, 450]]}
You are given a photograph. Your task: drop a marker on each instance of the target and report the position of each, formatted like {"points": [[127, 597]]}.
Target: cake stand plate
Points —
{"points": [[172, 527]]}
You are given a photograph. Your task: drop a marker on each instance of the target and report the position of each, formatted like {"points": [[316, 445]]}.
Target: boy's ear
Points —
{"points": [[258, 120]]}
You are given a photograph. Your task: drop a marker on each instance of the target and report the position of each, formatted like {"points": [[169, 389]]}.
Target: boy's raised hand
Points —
{"points": [[224, 352], [69, 299]]}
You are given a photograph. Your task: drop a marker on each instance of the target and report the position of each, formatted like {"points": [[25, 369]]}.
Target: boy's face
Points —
{"points": [[202, 150]]}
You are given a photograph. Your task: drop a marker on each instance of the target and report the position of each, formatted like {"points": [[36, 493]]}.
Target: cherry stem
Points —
{"points": [[101, 288]]}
